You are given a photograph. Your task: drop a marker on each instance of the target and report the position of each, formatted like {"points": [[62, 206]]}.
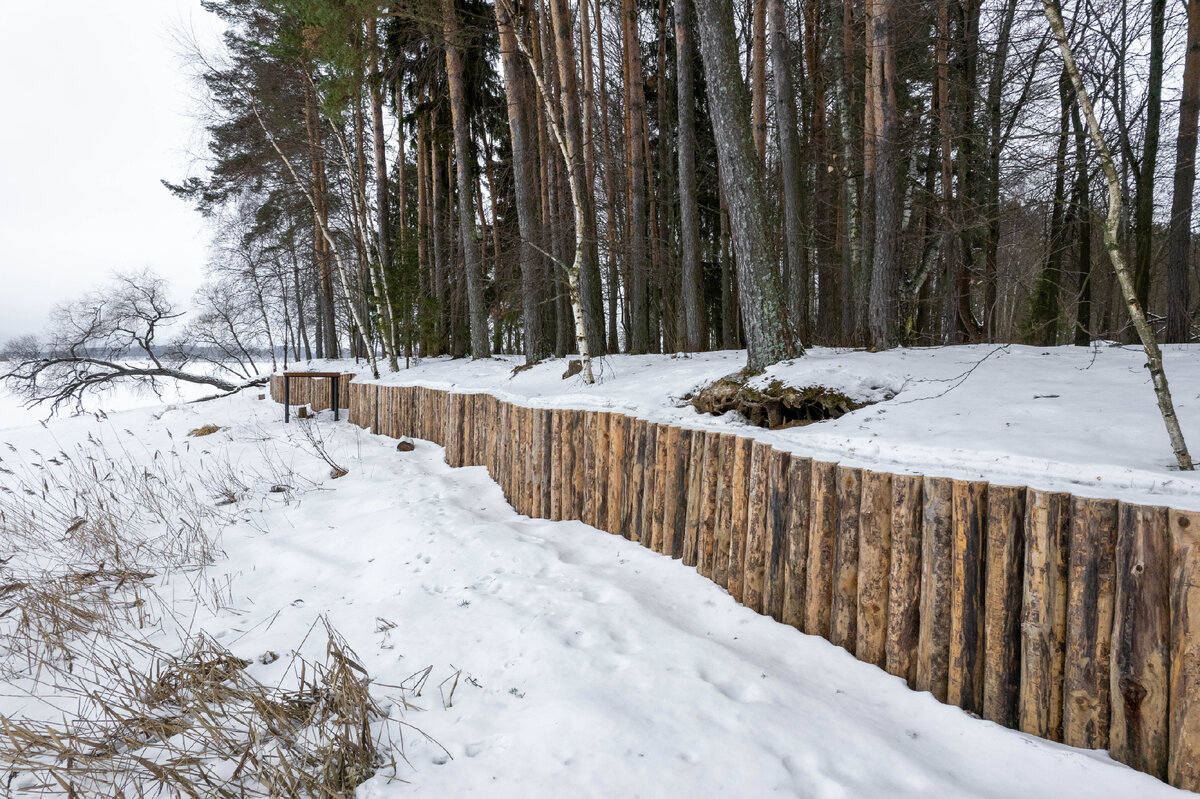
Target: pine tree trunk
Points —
{"points": [[638, 211], [689, 213], [1143, 210], [1179, 322], [787, 123], [760, 290], [885, 271], [521, 103], [464, 158]]}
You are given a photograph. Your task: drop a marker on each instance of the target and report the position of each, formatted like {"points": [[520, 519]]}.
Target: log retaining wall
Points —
{"points": [[1070, 618]]}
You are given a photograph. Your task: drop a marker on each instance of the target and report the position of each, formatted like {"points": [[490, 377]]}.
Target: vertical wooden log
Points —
{"points": [[1140, 659], [822, 530], [778, 555], [964, 686], [585, 460], [661, 467], [570, 452], [707, 524], [556, 464], [547, 467], [1005, 559], [600, 472], [454, 437], [904, 582], [617, 467], [537, 463], [1090, 595], [691, 510], [798, 476], [648, 463], [723, 527], [679, 444], [843, 615], [634, 471], [756, 527], [1183, 768], [874, 567], [739, 513]]}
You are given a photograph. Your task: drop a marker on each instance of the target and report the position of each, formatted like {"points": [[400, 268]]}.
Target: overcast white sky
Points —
{"points": [[96, 113]]}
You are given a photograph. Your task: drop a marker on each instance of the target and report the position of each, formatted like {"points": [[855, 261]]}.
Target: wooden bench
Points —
{"points": [[334, 379]]}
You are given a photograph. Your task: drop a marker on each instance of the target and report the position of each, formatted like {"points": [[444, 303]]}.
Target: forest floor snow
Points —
{"points": [[594, 667]]}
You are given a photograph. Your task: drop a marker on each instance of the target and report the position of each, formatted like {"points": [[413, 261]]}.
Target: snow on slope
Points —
{"points": [[591, 666], [1073, 419]]}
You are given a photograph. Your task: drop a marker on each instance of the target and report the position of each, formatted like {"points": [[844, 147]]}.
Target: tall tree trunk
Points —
{"points": [[610, 190], [1116, 255], [1081, 204], [521, 103], [768, 337], [588, 279], [383, 232], [787, 122], [327, 342], [638, 211], [689, 213], [843, 64], [758, 78], [995, 134], [1179, 322], [1143, 211], [885, 270], [1045, 307], [480, 347]]}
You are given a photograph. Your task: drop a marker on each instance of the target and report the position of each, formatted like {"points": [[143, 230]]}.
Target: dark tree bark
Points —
{"points": [[469, 234], [1179, 322], [638, 210], [768, 337], [787, 122], [1143, 201], [689, 214], [521, 125], [885, 270]]}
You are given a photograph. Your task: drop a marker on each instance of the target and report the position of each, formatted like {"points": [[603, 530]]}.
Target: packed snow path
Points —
{"points": [[591, 666]]}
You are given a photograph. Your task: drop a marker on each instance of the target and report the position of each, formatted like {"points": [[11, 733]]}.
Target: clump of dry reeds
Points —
{"points": [[85, 541], [198, 724]]}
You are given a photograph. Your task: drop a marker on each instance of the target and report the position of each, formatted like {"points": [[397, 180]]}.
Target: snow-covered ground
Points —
{"points": [[1075, 419], [591, 666]]}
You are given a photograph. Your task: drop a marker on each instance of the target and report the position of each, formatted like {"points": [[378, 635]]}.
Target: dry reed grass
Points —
{"points": [[85, 540]]}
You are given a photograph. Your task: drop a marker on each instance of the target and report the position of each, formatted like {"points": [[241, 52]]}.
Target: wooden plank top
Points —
{"points": [[313, 374]]}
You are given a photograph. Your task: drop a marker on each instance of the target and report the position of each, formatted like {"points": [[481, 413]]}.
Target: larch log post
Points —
{"points": [[692, 512], [904, 585], [964, 685], [739, 516], [756, 525], [778, 554], [843, 616], [874, 567], [798, 476], [706, 526], [675, 507], [1140, 659], [1183, 768], [1090, 595], [723, 527], [822, 529], [1005, 560], [1044, 613]]}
